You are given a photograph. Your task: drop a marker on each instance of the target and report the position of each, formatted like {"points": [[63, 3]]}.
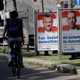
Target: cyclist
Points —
{"points": [[14, 36]]}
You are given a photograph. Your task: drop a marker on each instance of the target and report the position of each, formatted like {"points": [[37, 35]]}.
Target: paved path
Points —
{"points": [[34, 73]]}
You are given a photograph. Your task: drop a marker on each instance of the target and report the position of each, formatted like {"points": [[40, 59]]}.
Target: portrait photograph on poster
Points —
{"points": [[47, 31], [70, 30]]}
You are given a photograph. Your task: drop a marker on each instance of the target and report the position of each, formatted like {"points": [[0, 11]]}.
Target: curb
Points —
{"points": [[3, 56], [60, 67]]}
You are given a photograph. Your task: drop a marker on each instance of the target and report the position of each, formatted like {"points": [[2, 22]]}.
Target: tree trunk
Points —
{"points": [[15, 6]]}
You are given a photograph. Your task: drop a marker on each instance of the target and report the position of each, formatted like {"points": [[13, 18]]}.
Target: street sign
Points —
{"points": [[23, 14]]}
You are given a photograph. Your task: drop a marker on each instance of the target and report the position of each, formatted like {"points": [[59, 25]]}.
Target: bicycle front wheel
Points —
{"points": [[18, 72], [14, 71]]}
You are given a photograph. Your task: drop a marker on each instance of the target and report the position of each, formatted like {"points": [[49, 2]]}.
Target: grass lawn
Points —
{"points": [[65, 59], [54, 58]]}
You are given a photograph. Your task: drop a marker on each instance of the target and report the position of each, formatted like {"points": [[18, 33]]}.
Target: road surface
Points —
{"points": [[34, 73]]}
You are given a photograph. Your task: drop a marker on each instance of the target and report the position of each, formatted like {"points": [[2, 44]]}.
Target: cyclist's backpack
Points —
{"points": [[14, 27]]}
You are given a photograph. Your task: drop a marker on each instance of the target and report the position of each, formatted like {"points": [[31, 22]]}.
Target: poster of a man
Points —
{"points": [[70, 30], [72, 20], [47, 31], [47, 24]]}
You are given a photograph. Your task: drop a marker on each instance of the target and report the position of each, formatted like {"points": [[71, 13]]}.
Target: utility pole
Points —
{"points": [[4, 11], [46, 53], [70, 3], [15, 6], [42, 5]]}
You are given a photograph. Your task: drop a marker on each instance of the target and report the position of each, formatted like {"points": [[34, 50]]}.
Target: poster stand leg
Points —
{"points": [[73, 56], [27, 47], [46, 53]]}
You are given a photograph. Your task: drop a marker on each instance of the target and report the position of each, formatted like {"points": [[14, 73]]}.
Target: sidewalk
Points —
{"points": [[65, 68]]}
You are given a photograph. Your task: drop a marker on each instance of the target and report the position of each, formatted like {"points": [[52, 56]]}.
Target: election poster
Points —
{"points": [[70, 28], [47, 31]]}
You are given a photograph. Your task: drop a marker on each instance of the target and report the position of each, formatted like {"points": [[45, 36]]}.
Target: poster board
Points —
{"points": [[47, 39], [70, 30]]}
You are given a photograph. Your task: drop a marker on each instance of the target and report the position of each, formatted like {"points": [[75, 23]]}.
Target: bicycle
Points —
{"points": [[15, 61]]}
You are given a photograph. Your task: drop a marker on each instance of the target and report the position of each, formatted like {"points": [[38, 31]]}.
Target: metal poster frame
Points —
{"points": [[42, 38], [70, 39]]}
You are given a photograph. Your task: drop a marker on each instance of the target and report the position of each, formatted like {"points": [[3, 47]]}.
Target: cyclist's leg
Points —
{"points": [[10, 50], [9, 53], [19, 49]]}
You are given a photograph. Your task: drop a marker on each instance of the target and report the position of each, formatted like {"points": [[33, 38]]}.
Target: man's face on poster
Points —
{"points": [[47, 22], [71, 19]]}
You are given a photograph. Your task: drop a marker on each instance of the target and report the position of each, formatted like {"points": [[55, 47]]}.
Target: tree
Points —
{"points": [[14, 3], [1, 5]]}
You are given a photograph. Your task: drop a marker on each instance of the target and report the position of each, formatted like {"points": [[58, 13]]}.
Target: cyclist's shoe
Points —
{"points": [[21, 65], [10, 63]]}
